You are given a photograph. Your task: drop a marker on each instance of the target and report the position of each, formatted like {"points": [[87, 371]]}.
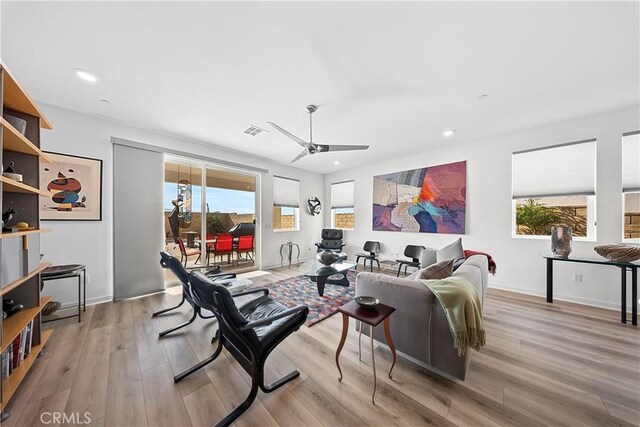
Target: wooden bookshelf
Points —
{"points": [[24, 199], [11, 383], [11, 286], [16, 98], [13, 325], [12, 186], [12, 140]]}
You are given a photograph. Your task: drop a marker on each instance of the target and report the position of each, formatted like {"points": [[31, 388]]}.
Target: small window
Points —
{"points": [[286, 204], [631, 185], [342, 211], [536, 216], [286, 218], [555, 186], [343, 218]]}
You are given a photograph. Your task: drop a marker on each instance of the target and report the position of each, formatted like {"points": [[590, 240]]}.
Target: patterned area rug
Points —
{"points": [[301, 290]]}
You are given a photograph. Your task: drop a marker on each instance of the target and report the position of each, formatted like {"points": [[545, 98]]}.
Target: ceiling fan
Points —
{"points": [[310, 147]]}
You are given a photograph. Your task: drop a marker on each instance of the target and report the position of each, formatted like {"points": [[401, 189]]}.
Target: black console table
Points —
{"points": [[623, 266]]}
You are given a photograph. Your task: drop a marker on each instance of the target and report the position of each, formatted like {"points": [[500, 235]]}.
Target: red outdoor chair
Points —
{"points": [[245, 246], [223, 246], [186, 253]]}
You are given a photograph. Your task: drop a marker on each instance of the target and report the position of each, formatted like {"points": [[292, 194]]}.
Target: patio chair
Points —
{"points": [[372, 250], [249, 333], [186, 253], [223, 246], [170, 262], [245, 246]]}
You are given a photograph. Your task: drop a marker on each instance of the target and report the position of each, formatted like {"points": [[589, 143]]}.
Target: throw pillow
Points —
{"points": [[428, 257], [458, 262], [452, 251], [439, 270]]}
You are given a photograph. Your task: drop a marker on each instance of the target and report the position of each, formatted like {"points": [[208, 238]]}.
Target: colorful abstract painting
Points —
{"points": [[75, 185], [427, 200]]}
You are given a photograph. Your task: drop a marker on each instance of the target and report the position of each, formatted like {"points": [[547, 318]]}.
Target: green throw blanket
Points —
{"points": [[461, 303]]}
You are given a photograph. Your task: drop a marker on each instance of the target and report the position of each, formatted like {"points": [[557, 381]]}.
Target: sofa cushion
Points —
{"points": [[438, 270], [428, 257], [451, 251]]}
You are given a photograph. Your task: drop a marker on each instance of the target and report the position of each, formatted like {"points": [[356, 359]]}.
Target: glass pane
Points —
{"points": [[182, 211], [632, 216], [231, 209], [535, 217]]}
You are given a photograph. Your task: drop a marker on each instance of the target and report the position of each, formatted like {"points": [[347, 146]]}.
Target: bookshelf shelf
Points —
{"points": [[11, 286], [11, 383], [15, 141], [11, 186], [16, 98], [13, 325]]}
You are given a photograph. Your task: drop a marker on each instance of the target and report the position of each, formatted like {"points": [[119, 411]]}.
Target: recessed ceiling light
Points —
{"points": [[448, 132], [483, 96], [85, 75], [337, 162]]}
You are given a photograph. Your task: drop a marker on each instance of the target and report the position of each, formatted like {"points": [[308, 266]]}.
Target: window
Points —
{"points": [[342, 212], [555, 186], [286, 204], [631, 185]]}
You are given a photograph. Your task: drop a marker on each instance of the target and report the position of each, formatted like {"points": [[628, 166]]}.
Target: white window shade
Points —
{"points": [[631, 162], [342, 195], [286, 192], [561, 170]]}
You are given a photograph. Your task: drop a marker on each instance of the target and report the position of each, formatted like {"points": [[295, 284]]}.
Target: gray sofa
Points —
{"points": [[419, 326]]}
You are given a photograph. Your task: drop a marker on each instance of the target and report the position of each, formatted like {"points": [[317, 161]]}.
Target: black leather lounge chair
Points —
{"points": [[249, 332]]}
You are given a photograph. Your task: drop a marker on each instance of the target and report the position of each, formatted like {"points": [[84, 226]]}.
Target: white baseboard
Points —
{"points": [[564, 297]]}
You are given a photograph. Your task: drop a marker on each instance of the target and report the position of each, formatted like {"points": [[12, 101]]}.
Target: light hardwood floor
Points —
{"points": [[560, 364]]}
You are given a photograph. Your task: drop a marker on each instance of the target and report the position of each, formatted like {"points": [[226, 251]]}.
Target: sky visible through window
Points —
{"points": [[218, 199]]}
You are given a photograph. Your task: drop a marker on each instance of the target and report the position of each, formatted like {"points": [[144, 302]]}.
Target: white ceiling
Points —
{"points": [[391, 75]]}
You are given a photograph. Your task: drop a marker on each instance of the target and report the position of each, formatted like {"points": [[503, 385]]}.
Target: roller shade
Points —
{"points": [[286, 192], [631, 162], [342, 195], [560, 170]]}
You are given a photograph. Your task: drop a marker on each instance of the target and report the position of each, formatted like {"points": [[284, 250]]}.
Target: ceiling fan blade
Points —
{"points": [[324, 147], [289, 134], [299, 156]]}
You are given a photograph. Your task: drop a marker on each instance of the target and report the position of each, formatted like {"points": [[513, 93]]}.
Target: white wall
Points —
{"points": [[91, 243], [489, 211]]}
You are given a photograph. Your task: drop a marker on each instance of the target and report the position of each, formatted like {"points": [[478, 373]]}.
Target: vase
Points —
{"points": [[561, 241], [328, 257]]}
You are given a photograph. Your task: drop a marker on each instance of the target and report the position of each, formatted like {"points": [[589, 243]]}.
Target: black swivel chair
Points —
{"points": [[413, 252], [372, 249], [249, 333], [172, 263], [331, 240]]}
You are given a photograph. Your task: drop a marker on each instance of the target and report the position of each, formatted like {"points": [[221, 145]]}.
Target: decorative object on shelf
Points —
{"points": [[314, 206], [19, 124], [7, 216], [328, 257], [11, 307], [76, 184], [620, 252], [561, 241], [427, 200], [11, 173], [368, 303], [23, 226]]}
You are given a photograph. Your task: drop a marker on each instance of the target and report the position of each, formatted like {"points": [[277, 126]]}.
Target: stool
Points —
{"points": [[56, 272]]}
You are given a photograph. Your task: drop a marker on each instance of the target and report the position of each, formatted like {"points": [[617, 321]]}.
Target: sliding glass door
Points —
{"points": [[215, 227]]}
